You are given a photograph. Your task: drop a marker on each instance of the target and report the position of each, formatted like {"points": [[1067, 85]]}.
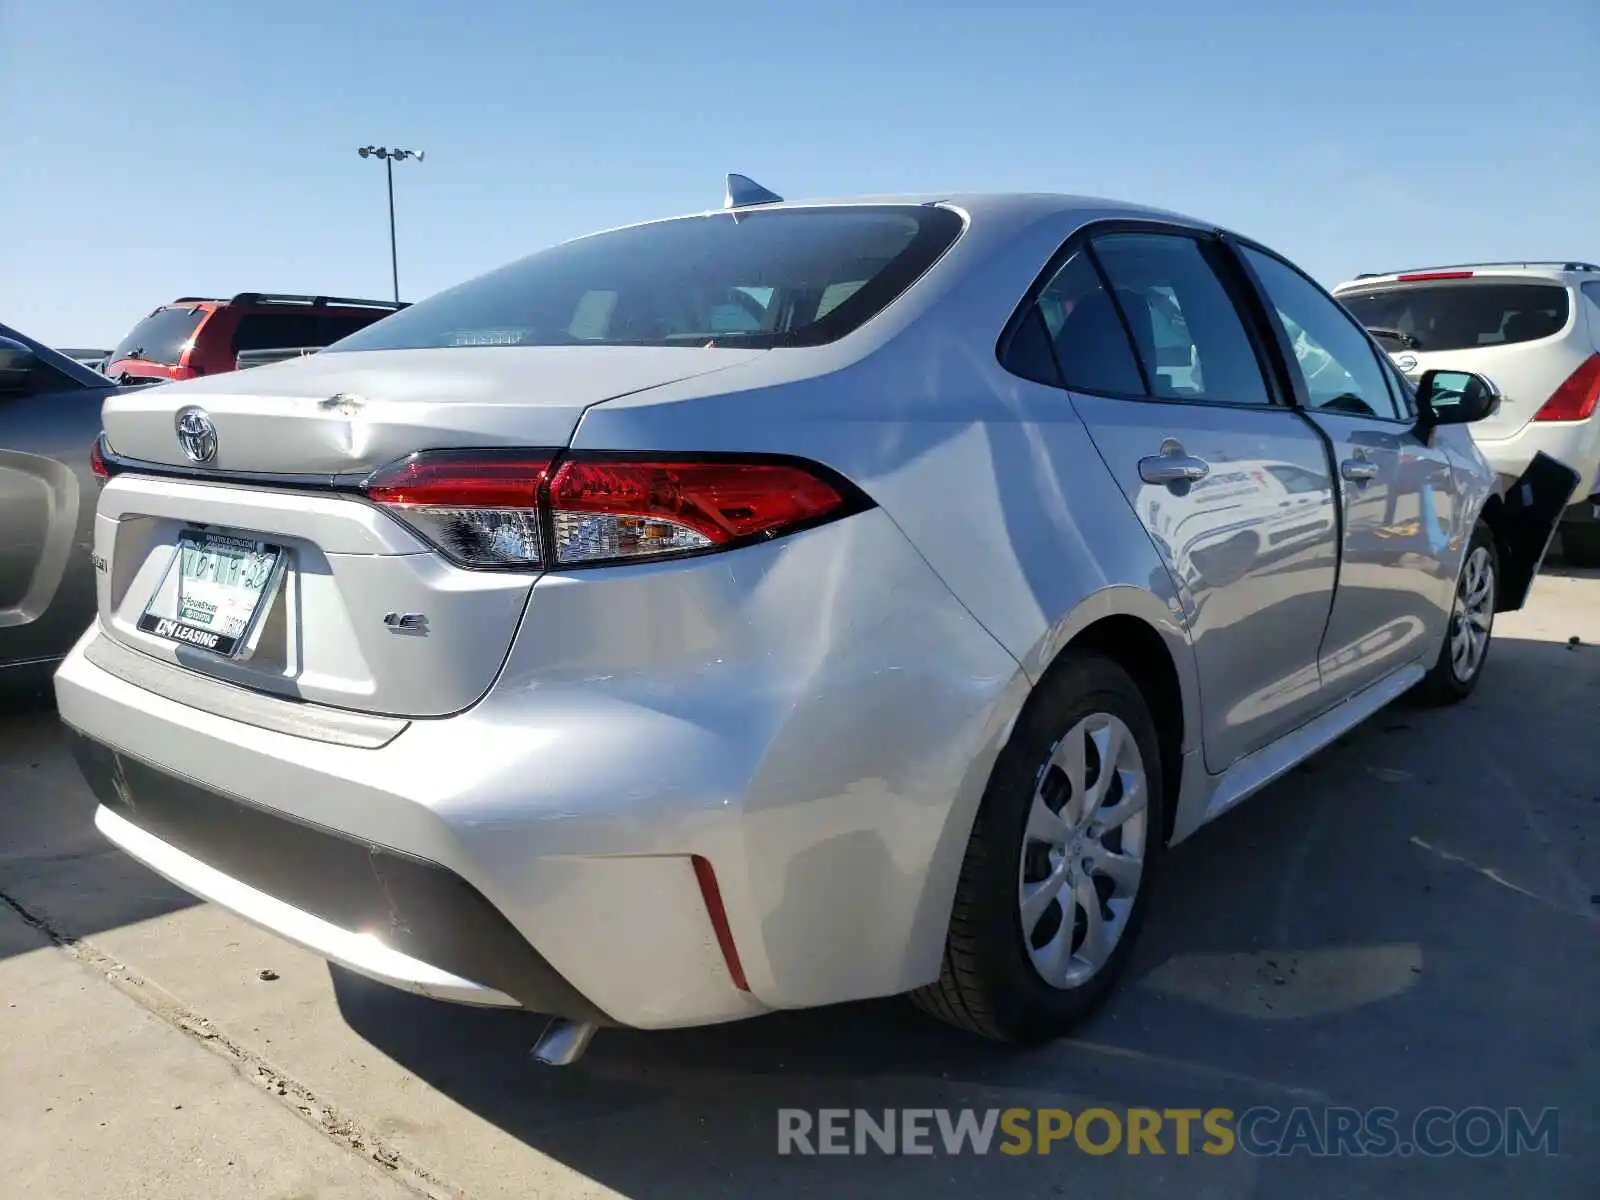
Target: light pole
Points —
{"points": [[390, 157]]}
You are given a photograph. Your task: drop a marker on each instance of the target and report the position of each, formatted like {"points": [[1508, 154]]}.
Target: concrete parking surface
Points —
{"points": [[1410, 919]]}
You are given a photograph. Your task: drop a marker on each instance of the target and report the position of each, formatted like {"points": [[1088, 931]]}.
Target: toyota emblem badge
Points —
{"points": [[197, 434]]}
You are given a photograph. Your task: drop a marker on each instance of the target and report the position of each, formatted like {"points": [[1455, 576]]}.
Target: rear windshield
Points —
{"points": [[1460, 316], [162, 337], [783, 277]]}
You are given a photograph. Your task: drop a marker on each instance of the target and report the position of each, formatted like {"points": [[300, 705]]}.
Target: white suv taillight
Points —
{"points": [[1575, 399], [490, 508]]}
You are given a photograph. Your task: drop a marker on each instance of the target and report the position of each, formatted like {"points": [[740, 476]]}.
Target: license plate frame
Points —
{"points": [[231, 635]]}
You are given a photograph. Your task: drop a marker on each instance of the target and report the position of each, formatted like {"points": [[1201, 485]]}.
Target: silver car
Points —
{"points": [[49, 420], [777, 606]]}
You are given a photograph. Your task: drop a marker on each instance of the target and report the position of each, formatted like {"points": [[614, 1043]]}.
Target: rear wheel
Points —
{"points": [[1055, 883], [1466, 643], [1580, 543]]}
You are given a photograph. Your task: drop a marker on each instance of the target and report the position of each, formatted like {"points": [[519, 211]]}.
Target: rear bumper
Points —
{"points": [[1575, 444], [822, 743], [389, 915]]}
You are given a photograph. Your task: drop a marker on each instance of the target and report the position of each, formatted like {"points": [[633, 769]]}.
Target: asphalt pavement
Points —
{"points": [[1410, 920]]}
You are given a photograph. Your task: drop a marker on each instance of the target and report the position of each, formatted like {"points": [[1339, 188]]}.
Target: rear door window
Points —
{"points": [[780, 277], [1188, 333], [162, 337], [1464, 315]]}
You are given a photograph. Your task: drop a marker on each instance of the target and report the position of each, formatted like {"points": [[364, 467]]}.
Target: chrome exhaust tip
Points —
{"points": [[563, 1042]]}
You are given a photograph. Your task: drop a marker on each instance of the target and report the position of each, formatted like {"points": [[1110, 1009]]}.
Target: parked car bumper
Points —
{"points": [[1573, 443], [541, 848]]}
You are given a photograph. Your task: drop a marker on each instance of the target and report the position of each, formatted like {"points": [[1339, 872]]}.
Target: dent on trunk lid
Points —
{"points": [[341, 411]]}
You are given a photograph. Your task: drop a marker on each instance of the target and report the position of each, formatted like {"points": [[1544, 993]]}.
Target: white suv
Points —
{"points": [[1534, 328]]}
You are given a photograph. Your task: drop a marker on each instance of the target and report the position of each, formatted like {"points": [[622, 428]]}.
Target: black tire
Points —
{"points": [[1580, 543], [987, 982], [1445, 683]]}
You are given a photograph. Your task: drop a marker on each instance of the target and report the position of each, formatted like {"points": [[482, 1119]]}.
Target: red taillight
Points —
{"points": [[480, 507], [1575, 399], [97, 462], [619, 509], [1423, 276], [462, 478], [487, 508]]}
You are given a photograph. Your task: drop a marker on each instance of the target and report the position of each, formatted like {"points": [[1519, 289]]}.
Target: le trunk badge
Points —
{"points": [[413, 622]]}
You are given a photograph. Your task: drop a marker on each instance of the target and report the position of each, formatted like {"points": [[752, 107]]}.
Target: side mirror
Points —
{"points": [[1456, 397], [17, 364]]}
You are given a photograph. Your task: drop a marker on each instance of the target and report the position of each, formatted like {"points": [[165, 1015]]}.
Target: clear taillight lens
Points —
{"points": [[480, 507], [489, 508], [608, 509]]}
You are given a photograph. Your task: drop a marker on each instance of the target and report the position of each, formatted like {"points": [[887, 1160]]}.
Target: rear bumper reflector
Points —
{"points": [[712, 894]]}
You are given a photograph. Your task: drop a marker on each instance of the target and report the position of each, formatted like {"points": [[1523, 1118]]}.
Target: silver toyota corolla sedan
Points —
{"points": [[776, 606]]}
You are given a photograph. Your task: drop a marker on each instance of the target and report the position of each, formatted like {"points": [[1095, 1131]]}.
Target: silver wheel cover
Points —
{"points": [[1083, 850], [1472, 617]]}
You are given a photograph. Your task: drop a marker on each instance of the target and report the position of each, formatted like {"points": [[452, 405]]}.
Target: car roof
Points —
{"points": [[1014, 208], [280, 300], [1561, 270]]}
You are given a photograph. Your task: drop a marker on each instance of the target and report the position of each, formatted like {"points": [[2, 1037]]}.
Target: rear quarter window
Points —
{"points": [[1468, 315]]}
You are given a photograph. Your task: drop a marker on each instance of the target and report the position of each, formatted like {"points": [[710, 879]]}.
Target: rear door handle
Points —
{"points": [[1173, 465], [1358, 470]]}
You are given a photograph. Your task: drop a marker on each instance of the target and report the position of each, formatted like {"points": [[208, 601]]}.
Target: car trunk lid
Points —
{"points": [[335, 601], [336, 412]]}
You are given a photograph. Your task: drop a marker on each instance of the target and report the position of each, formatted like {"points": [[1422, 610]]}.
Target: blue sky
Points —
{"points": [[153, 150]]}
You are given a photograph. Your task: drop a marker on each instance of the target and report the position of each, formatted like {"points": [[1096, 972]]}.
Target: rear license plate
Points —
{"points": [[214, 592]]}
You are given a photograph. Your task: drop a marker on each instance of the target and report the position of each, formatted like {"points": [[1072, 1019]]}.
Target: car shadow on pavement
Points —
{"points": [[55, 867], [1555, 563], [1401, 921]]}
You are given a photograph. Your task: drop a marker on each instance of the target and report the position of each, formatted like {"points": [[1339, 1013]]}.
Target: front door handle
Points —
{"points": [[1358, 470], [1173, 465]]}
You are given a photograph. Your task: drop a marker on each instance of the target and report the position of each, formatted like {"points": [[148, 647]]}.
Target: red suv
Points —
{"points": [[198, 336]]}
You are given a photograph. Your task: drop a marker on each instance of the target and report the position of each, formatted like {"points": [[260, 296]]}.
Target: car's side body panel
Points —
{"points": [[1255, 586], [47, 499], [993, 478], [1403, 543]]}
